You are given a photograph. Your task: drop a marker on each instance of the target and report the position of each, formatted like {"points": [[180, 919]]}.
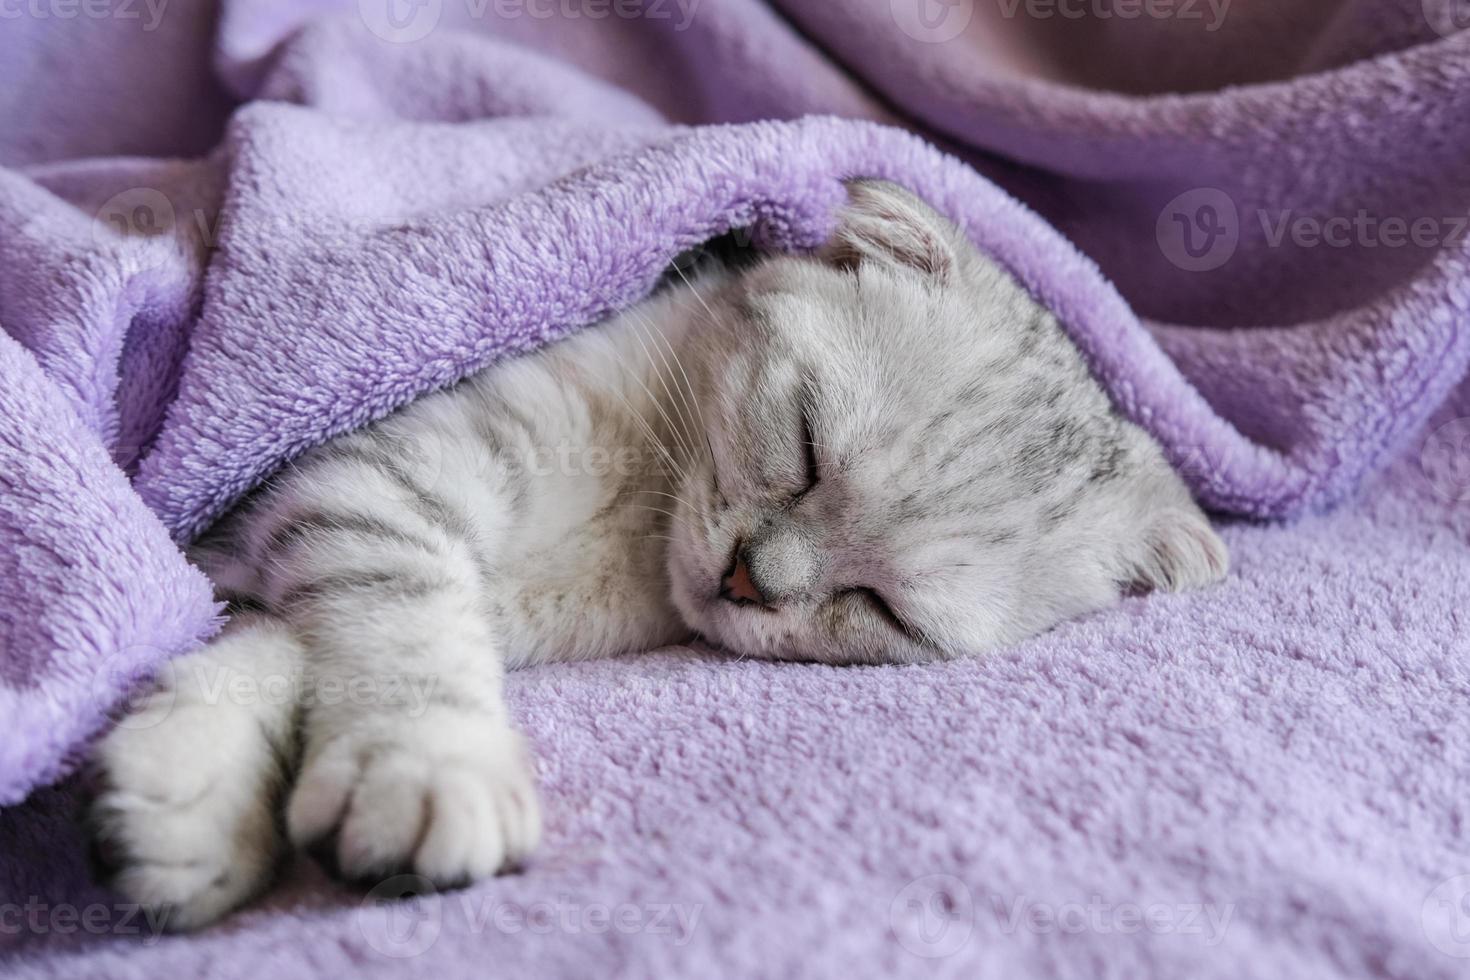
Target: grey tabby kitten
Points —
{"points": [[883, 452]]}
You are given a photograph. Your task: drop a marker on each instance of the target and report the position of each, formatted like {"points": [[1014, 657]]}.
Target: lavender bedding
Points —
{"points": [[229, 233]]}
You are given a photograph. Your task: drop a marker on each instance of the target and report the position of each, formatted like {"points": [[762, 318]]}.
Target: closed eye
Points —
{"points": [[880, 607], [812, 472]]}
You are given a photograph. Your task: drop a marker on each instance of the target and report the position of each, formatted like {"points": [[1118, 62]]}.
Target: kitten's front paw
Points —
{"points": [[445, 797], [182, 820]]}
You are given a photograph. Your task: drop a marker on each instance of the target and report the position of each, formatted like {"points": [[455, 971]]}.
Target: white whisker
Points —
{"points": [[695, 291], [671, 496], [673, 430], [643, 326], [660, 510], [686, 393]]}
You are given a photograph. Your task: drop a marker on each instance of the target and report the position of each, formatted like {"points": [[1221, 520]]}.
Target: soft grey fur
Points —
{"points": [[884, 452]]}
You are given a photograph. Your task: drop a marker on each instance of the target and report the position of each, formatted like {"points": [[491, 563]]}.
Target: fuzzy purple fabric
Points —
{"points": [[227, 234]]}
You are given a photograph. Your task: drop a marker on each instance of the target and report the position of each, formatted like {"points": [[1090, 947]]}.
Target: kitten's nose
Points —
{"points": [[738, 587]]}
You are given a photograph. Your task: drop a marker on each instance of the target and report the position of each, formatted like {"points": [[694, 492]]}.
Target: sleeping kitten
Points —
{"points": [[883, 452]]}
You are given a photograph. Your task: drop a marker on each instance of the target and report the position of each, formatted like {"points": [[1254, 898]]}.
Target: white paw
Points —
{"points": [[183, 819], [447, 797]]}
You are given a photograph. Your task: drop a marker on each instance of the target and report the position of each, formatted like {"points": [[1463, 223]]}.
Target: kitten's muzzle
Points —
{"points": [[738, 587], [776, 566]]}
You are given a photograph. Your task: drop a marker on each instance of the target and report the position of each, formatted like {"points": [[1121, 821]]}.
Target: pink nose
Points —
{"points": [[738, 587]]}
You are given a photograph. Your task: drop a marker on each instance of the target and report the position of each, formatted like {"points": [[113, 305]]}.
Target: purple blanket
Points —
{"points": [[228, 234]]}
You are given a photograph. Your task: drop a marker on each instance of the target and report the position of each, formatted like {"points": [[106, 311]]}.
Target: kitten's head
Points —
{"points": [[908, 459]]}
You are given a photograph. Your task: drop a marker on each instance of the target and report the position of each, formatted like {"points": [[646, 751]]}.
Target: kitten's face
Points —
{"points": [[907, 459]]}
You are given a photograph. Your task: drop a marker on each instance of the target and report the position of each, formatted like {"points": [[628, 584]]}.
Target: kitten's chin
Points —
{"points": [[713, 619], [737, 631], [744, 631], [702, 617]]}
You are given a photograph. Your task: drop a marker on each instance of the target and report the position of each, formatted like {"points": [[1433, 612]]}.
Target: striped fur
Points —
{"points": [[899, 451]]}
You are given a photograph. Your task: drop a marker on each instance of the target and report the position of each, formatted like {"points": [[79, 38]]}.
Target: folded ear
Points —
{"points": [[885, 223], [1179, 551]]}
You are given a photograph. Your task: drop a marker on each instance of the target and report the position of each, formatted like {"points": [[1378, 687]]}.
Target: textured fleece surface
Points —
{"points": [[1273, 772], [228, 233]]}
